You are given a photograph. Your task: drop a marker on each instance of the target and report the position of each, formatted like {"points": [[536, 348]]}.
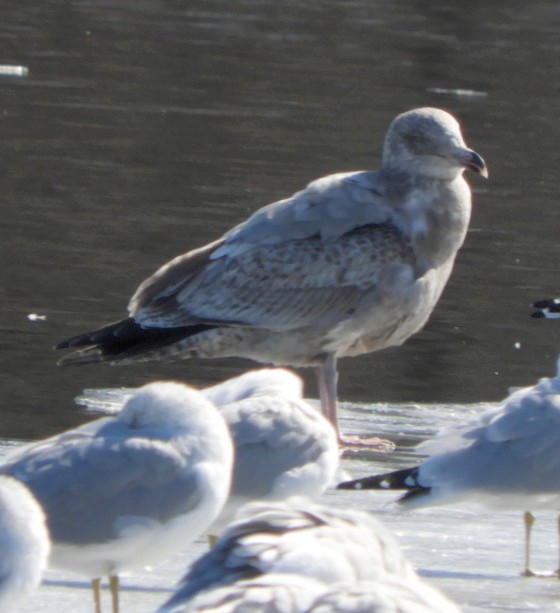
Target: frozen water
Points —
{"points": [[474, 555]]}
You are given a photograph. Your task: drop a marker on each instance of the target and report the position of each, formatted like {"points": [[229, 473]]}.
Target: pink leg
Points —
{"points": [[327, 380]]}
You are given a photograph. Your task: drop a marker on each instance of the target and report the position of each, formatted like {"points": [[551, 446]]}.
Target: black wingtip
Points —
{"points": [[404, 479], [378, 482], [89, 355], [549, 303], [65, 344], [548, 308], [125, 340], [113, 332]]}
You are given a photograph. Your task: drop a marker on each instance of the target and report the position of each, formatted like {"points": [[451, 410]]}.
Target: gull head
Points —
{"points": [[166, 404], [427, 142]]}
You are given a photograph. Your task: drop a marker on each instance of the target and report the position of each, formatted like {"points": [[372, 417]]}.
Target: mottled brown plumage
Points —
{"points": [[353, 263]]}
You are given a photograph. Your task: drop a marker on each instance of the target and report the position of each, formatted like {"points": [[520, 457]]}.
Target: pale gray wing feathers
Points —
{"points": [[328, 207], [530, 428], [272, 593], [515, 446], [143, 478], [270, 440]]}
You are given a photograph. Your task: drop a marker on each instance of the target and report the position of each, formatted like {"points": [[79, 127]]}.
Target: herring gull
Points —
{"points": [[127, 491], [506, 458], [353, 263], [290, 556], [24, 544]]}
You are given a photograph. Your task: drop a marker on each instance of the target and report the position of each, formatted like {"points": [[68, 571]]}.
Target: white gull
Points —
{"points": [[288, 557], [283, 446], [24, 544], [123, 492], [507, 458]]}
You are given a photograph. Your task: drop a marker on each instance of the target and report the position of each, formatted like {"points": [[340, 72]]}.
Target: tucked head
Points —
{"points": [[428, 142], [254, 383], [165, 403]]}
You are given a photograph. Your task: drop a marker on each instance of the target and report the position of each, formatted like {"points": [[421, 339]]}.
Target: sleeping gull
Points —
{"points": [[388, 594], [288, 555], [507, 458], [24, 544], [127, 491], [353, 263], [283, 446], [294, 593]]}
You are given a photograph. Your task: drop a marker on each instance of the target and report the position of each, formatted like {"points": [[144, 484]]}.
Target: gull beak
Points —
{"points": [[476, 163]]}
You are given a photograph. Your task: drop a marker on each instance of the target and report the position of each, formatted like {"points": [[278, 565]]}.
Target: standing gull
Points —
{"points": [[24, 544], [123, 492], [285, 556], [353, 263], [507, 458]]}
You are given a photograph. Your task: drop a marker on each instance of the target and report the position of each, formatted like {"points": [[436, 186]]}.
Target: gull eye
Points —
{"points": [[416, 141]]}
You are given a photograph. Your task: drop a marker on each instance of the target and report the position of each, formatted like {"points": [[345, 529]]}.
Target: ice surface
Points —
{"points": [[475, 556]]}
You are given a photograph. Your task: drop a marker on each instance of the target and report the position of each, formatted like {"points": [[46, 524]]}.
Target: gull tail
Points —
{"points": [[548, 309], [404, 479], [122, 341]]}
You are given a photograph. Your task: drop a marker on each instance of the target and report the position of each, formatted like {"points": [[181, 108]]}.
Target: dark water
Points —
{"points": [[146, 128]]}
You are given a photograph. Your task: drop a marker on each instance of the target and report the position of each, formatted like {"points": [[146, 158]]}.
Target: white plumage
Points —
{"points": [[126, 491], [507, 458], [24, 544], [289, 557], [283, 446]]}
